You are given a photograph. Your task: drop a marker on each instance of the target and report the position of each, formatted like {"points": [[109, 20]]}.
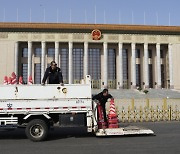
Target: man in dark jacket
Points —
{"points": [[102, 97], [54, 74]]}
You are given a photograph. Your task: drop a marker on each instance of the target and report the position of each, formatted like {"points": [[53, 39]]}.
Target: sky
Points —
{"points": [[137, 12]]}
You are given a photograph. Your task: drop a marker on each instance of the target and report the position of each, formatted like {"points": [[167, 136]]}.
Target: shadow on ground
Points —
{"points": [[54, 134]]}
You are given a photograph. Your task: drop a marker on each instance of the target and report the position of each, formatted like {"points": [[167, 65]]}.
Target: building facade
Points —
{"points": [[116, 56]]}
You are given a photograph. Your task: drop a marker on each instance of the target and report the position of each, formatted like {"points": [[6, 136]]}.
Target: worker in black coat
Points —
{"points": [[54, 74], [102, 98]]}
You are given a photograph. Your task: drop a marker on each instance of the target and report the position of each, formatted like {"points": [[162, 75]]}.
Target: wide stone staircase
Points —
{"points": [[137, 94]]}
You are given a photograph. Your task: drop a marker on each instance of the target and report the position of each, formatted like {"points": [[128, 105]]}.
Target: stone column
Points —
{"points": [[43, 48], [105, 68], [16, 59], [158, 65], [146, 66], [170, 66], [120, 79], [70, 63], [57, 53], [85, 58], [133, 66], [29, 59]]}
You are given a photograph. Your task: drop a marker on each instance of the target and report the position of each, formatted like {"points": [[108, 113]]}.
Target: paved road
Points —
{"points": [[166, 141]]}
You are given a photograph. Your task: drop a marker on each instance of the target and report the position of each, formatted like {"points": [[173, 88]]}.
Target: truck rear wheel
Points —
{"points": [[37, 130]]}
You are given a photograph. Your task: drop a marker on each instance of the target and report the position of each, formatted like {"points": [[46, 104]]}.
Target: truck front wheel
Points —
{"points": [[37, 130]]}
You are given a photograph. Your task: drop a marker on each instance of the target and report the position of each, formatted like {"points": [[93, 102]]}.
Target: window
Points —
{"points": [[94, 63], [112, 64], [24, 72], [51, 52], [78, 64], [138, 75], [138, 53], [25, 52], [37, 52], [150, 53], [161, 53], [162, 76], [37, 73], [125, 68], [150, 76], [64, 63]]}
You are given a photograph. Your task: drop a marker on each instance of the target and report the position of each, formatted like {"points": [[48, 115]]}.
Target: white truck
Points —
{"points": [[37, 108]]}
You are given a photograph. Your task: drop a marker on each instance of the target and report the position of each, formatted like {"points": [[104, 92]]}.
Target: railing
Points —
{"points": [[96, 84], [112, 84], [77, 81], [140, 110]]}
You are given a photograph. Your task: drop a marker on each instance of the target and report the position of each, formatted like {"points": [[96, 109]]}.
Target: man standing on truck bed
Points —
{"points": [[102, 97], [54, 74]]}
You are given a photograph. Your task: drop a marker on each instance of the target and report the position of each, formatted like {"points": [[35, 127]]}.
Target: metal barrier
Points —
{"points": [[77, 81], [112, 84], [140, 110], [96, 84]]}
